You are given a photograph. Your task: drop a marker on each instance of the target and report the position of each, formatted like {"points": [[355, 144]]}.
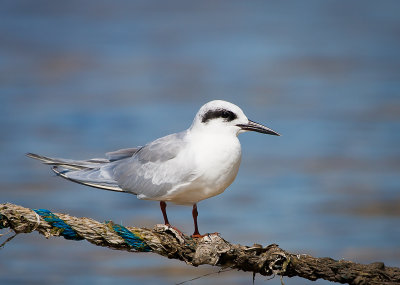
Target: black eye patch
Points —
{"points": [[227, 115]]}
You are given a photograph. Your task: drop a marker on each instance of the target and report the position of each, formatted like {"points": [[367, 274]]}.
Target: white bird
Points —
{"points": [[183, 168]]}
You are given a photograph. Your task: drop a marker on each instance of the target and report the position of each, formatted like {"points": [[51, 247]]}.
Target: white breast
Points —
{"points": [[217, 160]]}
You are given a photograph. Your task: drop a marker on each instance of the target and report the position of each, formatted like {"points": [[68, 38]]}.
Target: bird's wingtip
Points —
{"points": [[31, 155]]}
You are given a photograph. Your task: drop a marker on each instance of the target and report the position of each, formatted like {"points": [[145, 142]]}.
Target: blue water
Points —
{"points": [[78, 79]]}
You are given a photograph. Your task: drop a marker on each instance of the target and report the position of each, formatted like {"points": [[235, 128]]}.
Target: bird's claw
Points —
{"points": [[177, 233], [196, 235]]}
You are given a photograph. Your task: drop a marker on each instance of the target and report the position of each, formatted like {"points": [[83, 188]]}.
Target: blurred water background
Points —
{"points": [[81, 78]]}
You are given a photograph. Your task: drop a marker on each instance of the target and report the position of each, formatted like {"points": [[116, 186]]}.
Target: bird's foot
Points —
{"points": [[198, 235], [174, 231], [177, 233], [174, 228]]}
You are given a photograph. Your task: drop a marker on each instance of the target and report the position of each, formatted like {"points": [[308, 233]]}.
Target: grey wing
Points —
{"points": [[90, 177], [122, 153], [149, 171], [155, 169]]}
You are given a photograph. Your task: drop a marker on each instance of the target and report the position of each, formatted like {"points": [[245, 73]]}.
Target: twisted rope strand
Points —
{"points": [[65, 230], [133, 240]]}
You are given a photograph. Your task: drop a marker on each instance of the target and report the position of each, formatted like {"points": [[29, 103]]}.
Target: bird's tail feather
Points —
{"points": [[87, 172], [70, 163]]}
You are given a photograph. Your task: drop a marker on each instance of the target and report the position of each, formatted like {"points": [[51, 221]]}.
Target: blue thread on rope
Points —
{"points": [[130, 238], [66, 231]]}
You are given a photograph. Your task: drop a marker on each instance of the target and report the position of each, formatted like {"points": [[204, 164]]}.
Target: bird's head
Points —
{"points": [[224, 117]]}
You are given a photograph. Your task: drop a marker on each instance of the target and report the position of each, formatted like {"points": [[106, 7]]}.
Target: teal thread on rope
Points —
{"points": [[66, 231], [130, 238]]}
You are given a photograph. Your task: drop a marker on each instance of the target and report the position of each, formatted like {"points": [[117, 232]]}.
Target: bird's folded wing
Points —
{"points": [[122, 153], [155, 169]]}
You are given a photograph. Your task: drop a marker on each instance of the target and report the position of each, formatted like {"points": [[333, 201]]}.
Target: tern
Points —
{"points": [[183, 168]]}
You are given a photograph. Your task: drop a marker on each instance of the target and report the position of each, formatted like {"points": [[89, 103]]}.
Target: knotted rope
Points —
{"points": [[211, 249]]}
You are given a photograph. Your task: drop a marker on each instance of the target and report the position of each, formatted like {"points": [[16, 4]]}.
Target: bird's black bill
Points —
{"points": [[256, 127]]}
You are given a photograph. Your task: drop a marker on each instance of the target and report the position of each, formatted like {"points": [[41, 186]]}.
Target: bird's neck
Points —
{"points": [[212, 131], [213, 142]]}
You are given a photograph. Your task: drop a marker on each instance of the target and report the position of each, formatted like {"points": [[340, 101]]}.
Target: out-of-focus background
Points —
{"points": [[80, 78]]}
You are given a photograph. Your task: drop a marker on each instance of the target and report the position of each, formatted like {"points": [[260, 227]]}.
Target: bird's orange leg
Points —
{"points": [[196, 233], [163, 207]]}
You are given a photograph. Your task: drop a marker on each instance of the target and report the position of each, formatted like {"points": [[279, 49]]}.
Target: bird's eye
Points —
{"points": [[228, 115], [225, 114]]}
